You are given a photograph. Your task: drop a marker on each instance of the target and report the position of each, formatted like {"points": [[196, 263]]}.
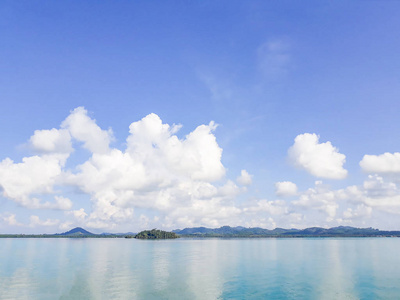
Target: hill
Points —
{"points": [[155, 234], [78, 231]]}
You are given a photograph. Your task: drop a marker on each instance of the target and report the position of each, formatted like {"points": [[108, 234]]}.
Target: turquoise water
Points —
{"points": [[314, 268]]}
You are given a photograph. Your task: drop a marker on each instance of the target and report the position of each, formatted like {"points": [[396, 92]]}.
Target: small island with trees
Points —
{"points": [[154, 234]]}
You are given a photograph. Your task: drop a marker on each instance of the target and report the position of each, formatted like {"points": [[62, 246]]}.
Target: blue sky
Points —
{"points": [[75, 75]]}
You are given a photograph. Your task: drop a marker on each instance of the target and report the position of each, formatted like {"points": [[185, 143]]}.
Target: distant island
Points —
{"points": [[154, 234], [222, 232]]}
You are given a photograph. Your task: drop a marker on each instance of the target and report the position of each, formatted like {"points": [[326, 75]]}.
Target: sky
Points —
{"points": [[131, 115]]}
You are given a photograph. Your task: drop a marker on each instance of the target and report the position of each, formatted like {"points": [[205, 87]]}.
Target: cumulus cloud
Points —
{"points": [[353, 204], [376, 193], [319, 198], [157, 171], [51, 141], [34, 175], [384, 163], [285, 188], [38, 174], [61, 203], [361, 211], [277, 207], [197, 155], [84, 129], [10, 219], [176, 181], [79, 214], [244, 178], [319, 159], [36, 221], [167, 181]]}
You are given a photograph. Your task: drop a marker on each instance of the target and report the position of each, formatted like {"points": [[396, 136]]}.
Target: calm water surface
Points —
{"points": [[315, 268]]}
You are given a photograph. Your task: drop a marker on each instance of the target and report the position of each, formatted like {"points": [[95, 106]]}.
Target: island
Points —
{"points": [[155, 234]]}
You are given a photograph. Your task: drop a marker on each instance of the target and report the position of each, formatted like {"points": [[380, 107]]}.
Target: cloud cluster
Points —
{"points": [[353, 205], [319, 198], [165, 181], [157, 171], [178, 179], [319, 159], [39, 174]]}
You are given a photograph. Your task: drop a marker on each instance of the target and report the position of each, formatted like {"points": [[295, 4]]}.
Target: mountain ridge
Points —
{"points": [[226, 231], [240, 231]]}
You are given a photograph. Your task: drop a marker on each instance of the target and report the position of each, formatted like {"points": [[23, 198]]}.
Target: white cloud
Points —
{"points": [[51, 141], [244, 178], [79, 214], [384, 163], [61, 203], [34, 175], [37, 175], [197, 155], [79, 218], [319, 159], [262, 222], [84, 129], [168, 182], [285, 188], [357, 203], [360, 212], [10, 219], [277, 207], [157, 171], [68, 225], [319, 198], [35, 221], [376, 193], [179, 180]]}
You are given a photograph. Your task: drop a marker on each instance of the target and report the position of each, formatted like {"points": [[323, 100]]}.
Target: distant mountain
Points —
{"points": [[227, 231], [78, 231], [118, 234]]}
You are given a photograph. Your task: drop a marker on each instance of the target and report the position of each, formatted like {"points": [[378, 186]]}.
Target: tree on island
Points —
{"points": [[155, 234]]}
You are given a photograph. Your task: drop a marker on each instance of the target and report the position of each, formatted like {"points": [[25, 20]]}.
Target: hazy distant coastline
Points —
{"points": [[223, 232]]}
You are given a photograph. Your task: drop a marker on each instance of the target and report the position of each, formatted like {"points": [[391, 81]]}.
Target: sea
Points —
{"points": [[214, 268]]}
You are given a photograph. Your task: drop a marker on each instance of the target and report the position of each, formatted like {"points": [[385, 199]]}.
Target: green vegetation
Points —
{"points": [[155, 234]]}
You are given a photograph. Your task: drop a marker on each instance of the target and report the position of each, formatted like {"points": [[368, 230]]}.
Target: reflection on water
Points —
{"points": [[363, 268]]}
